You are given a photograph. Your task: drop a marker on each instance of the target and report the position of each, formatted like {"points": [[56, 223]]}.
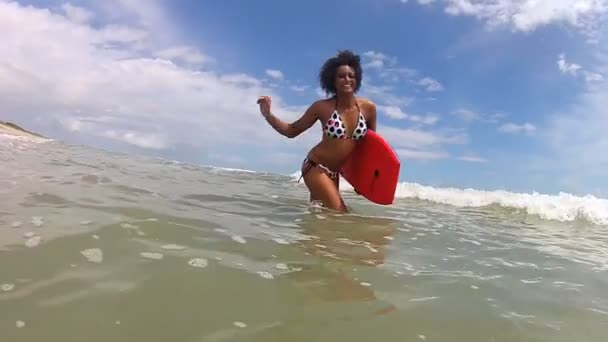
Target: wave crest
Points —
{"points": [[563, 207]]}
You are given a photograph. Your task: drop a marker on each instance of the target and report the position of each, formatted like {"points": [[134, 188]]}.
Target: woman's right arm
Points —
{"points": [[290, 130]]}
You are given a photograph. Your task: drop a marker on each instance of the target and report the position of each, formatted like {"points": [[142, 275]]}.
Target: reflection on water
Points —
{"points": [[344, 243]]}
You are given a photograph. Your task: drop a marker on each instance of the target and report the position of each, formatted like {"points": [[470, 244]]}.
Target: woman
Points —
{"points": [[345, 119]]}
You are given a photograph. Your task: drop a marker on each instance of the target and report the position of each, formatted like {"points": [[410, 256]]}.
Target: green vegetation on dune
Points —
{"points": [[19, 128]]}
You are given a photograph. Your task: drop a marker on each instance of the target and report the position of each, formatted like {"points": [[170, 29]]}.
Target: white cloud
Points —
{"points": [[77, 14], [468, 115], [394, 112], [387, 67], [421, 155], [145, 14], [430, 84], [472, 159], [566, 68], [576, 69], [420, 139], [576, 138], [153, 102], [421, 2], [299, 88], [419, 144], [276, 74], [377, 60], [429, 119], [384, 95], [593, 77], [320, 93], [512, 128], [282, 158], [117, 129], [386, 85], [187, 54], [528, 15], [139, 139]]}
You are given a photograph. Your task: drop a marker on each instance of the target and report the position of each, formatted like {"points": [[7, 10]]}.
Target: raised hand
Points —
{"points": [[264, 102]]}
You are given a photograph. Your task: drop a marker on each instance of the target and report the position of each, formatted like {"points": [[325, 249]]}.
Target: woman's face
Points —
{"points": [[345, 79]]}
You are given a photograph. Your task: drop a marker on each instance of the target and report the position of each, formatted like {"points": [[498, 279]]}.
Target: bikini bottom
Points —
{"points": [[310, 164]]}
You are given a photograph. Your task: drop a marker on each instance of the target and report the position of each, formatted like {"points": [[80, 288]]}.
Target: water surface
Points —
{"points": [[99, 246]]}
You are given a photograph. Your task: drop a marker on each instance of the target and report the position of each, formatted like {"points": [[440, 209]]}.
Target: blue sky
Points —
{"points": [[485, 94]]}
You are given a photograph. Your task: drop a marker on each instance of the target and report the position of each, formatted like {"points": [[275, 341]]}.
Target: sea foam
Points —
{"points": [[562, 207]]}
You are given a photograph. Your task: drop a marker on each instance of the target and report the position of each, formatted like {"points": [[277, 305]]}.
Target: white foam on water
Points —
{"points": [[173, 247], [16, 224], [265, 275], [152, 255], [37, 221], [281, 266], [568, 286], [93, 255], [477, 243], [238, 239], [7, 287], [563, 207], [531, 281], [129, 226], [516, 315], [423, 299], [229, 169], [602, 312], [20, 324], [33, 241], [240, 324], [198, 262], [280, 241]]}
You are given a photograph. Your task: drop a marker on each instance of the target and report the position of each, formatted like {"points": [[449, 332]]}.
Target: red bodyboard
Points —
{"points": [[373, 169]]}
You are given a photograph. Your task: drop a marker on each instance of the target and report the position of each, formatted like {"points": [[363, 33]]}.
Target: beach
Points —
{"points": [[103, 246]]}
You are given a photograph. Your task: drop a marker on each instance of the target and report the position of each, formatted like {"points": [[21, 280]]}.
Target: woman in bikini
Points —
{"points": [[345, 119]]}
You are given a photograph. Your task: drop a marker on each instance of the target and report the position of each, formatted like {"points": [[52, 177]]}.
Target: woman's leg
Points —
{"points": [[323, 188]]}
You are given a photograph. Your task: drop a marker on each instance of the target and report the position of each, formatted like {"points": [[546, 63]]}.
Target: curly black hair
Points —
{"points": [[327, 74]]}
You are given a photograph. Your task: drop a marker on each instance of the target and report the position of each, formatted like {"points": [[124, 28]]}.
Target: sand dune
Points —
{"points": [[13, 129]]}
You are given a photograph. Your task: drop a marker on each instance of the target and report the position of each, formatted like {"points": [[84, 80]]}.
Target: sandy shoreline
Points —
{"points": [[10, 128]]}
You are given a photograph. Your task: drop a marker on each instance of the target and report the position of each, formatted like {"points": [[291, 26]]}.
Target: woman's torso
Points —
{"points": [[331, 151]]}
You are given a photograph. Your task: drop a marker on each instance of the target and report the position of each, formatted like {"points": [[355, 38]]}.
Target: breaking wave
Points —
{"points": [[563, 207]]}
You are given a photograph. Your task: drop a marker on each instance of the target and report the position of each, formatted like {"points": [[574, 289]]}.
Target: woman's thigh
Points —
{"points": [[323, 188]]}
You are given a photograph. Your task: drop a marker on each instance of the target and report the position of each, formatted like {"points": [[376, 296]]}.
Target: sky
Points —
{"points": [[485, 94]]}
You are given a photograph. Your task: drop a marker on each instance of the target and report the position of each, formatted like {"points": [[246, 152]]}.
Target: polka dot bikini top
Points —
{"points": [[334, 127]]}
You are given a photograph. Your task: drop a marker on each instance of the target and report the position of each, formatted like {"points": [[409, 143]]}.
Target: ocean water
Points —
{"points": [[97, 246]]}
